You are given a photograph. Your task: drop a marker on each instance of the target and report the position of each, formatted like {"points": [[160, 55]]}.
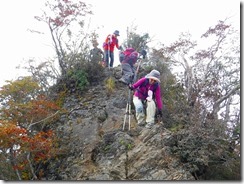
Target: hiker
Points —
{"points": [[108, 46], [128, 59], [147, 90], [96, 54]]}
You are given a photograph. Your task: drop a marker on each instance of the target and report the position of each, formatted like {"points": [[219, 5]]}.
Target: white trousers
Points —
{"points": [[140, 114]]}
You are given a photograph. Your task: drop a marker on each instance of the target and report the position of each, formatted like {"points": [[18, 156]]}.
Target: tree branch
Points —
{"points": [[43, 119], [220, 100]]}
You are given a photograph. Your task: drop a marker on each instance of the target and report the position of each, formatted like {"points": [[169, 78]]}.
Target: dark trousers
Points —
{"points": [[128, 72], [109, 54]]}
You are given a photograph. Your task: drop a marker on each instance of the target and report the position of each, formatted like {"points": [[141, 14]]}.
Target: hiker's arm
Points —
{"points": [[158, 98], [139, 83], [117, 45]]}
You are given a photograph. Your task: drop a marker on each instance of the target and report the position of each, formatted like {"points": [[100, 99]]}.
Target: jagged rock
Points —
{"points": [[96, 148]]}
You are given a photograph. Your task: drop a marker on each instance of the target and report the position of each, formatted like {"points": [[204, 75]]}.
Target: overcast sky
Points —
{"points": [[163, 20]]}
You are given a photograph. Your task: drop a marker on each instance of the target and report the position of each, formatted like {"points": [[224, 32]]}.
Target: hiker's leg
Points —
{"points": [[106, 58], [151, 110], [133, 70], [127, 73], [139, 110], [111, 59], [131, 75]]}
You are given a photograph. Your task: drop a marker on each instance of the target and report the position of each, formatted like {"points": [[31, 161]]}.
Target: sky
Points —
{"points": [[164, 20]]}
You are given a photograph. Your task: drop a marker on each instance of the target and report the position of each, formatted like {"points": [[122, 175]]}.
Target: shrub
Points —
{"points": [[77, 79], [74, 81], [110, 85]]}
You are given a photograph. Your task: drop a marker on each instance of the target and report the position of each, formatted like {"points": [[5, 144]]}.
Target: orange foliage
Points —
{"points": [[24, 104], [11, 135]]}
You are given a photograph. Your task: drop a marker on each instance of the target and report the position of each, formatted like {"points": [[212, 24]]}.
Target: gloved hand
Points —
{"points": [[131, 87], [160, 113], [143, 53], [120, 48]]}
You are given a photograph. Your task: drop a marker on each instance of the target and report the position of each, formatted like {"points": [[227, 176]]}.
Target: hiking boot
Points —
{"points": [[149, 125], [142, 124], [123, 80]]}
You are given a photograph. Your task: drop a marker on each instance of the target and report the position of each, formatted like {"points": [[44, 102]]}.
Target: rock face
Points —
{"points": [[94, 145]]}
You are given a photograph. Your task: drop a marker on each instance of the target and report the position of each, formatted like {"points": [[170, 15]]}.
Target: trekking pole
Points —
{"points": [[137, 71], [128, 109]]}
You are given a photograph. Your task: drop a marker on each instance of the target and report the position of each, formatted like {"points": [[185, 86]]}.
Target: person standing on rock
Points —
{"points": [[111, 41], [96, 54], [147, 90]]}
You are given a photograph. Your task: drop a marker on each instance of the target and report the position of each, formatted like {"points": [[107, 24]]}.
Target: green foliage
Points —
{"points": [[176, 109], [229, 170], [73, 81], [136, 40], [176, 127], [21, 90], [60, 98], [128, 145], [107, 148], [7, 171], [203, 152], [94, 72], [78, 78]]}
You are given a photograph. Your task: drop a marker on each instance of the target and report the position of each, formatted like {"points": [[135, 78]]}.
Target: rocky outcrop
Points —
{"points": [[95, 147]]}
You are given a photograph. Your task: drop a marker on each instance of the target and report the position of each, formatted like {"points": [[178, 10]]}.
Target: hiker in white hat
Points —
{"points": [[147, 89]]}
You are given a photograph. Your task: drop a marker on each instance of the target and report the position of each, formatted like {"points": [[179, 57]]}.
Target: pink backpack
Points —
{"points": [[130, 56]]}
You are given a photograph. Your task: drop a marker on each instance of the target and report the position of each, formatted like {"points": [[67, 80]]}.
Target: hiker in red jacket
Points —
{"points": [[147, 89], [108, 46]]}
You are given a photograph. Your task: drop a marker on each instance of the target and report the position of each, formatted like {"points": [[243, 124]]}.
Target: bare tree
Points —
{"points": [[60, 16], [211, 76]]}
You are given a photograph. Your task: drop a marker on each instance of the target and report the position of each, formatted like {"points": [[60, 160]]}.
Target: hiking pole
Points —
{"points": [[137, 71], [128, 109]]}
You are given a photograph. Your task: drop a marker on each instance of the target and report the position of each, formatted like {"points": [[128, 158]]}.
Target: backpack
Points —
{"points": [[107, 42], [128, 56]]}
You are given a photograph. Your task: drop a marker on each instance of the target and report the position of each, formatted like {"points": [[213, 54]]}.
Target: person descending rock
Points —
{"points": [[128, 58], [108, 46], [147, 90]]}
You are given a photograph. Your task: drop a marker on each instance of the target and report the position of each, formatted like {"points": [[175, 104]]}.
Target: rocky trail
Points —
{"points": [[96, 147]]}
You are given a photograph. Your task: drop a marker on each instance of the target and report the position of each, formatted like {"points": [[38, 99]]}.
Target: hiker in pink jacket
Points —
{"points": [[147, 89]]}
